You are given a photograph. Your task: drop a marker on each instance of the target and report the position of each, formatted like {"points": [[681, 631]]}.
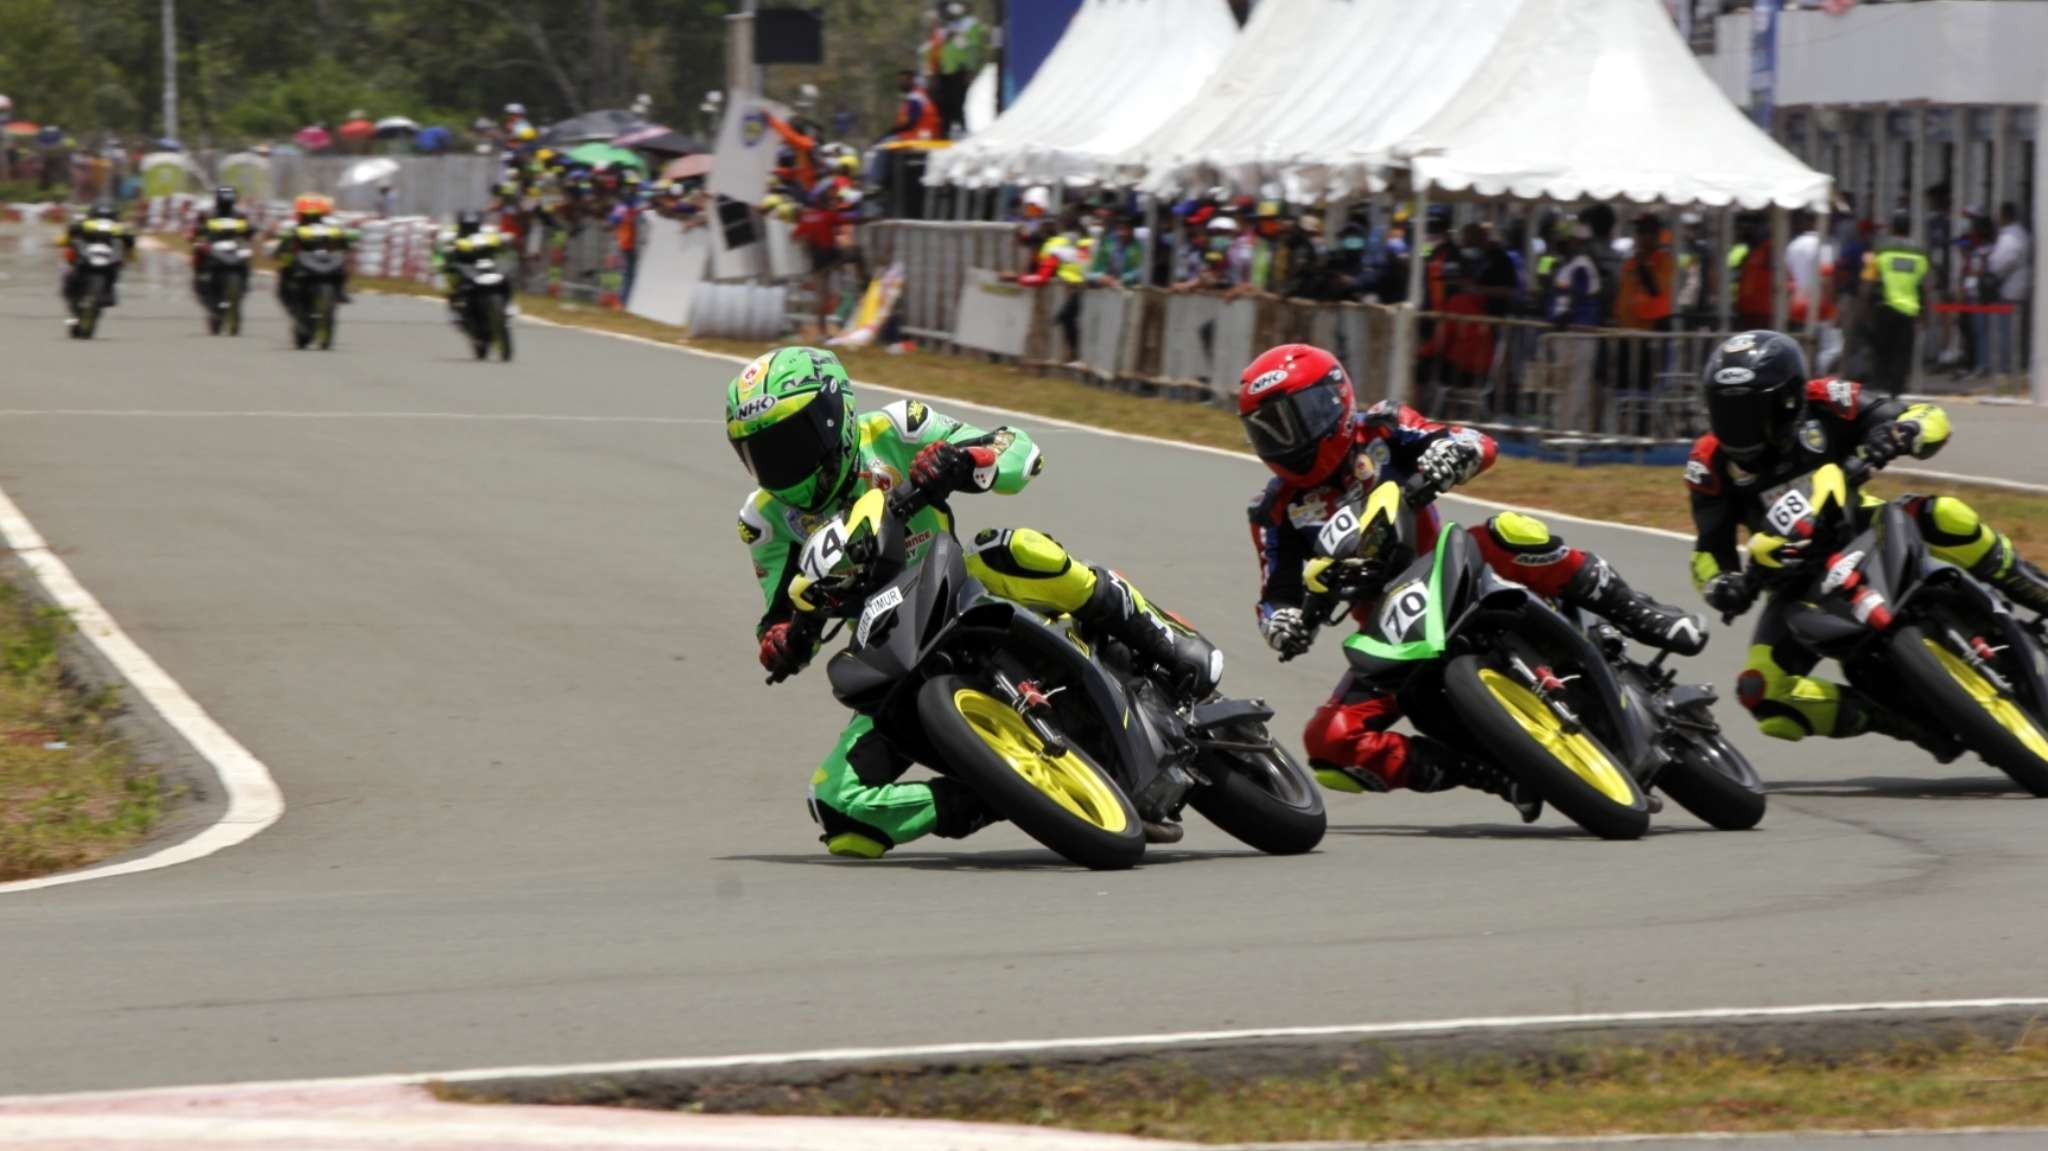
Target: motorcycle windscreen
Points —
{"points": [[1407, 625]]}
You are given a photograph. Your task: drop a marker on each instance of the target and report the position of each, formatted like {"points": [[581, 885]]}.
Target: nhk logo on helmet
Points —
{"points": [[1267, 381], [757, 406]]}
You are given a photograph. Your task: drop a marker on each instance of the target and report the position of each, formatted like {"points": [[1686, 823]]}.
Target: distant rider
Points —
{"points": [[223, 221], [309, 229], [1772, 424], [791, 417], [467, 243], [102, 225], [1298, 410]]}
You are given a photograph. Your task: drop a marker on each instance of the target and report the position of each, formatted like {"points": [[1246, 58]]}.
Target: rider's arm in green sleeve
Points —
{"points": [[917, 426], [774, 555], [1929, 422]]}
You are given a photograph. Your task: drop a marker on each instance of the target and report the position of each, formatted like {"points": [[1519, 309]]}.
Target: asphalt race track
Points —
{"points": [[491, 630]]}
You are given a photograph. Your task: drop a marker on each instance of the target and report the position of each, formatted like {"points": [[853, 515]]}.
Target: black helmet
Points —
{"points": [[468, 223], [104, 210], [1755, 384], [224, 198]]}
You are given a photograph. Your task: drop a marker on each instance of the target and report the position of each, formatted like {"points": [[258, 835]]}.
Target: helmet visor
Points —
{"points": [[1743, 420], [1290, 426], [795, 448]]}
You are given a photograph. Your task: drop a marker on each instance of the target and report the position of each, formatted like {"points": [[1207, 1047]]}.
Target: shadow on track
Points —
{"points": [[1905, 787], [1558, 832], [987, 861]]}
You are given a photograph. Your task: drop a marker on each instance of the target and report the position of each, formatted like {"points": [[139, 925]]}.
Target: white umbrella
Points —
{"points": [[397, 126], [369, 172]]}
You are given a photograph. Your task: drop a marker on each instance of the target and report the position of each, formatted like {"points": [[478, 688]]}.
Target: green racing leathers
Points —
{"points": [[855, 794]]}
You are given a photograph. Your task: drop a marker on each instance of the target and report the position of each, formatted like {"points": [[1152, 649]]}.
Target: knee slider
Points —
{"points": [[1519, 533], [1751, 689], [1947, 520], [1021, 552]]}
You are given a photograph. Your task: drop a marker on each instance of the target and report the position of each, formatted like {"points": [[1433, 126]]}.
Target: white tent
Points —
{"points": [[1121, 68], [1601, 100], [1553, 98], [1316, 93]]}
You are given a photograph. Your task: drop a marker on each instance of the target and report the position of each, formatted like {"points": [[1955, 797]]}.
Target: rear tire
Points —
{"points": [[2019, 750], [1265, 801], [1714, 781], [501, 329], [971, 759], [232, 322], [323, 317], [1493, 727]]}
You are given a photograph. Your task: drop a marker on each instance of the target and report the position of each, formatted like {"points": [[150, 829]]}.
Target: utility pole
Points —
{"points": [[171, 69]]}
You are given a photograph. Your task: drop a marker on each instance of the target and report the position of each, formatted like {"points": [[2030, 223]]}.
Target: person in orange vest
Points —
{"points": [[1753, 264], [917, 118], [1644, 300]]}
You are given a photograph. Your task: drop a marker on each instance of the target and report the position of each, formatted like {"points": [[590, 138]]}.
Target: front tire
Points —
{"points": [[323, 317], [1714, 781], [1988, 721], [1571, 770], [1266, 801], [1066, 803], [501, 328]]}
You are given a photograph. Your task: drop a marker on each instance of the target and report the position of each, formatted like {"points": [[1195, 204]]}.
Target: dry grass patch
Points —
{"points": [[71, 791]]}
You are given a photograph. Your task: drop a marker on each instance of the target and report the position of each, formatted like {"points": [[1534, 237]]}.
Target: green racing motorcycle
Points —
{"points": [[1496, 671]]}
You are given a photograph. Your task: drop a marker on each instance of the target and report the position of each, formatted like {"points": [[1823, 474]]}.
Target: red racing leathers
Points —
{"points": [[1350, 730]]}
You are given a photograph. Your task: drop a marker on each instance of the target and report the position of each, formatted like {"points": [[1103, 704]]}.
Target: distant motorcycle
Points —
{"points": [[486, 307], [98, 264], [225, 281], [318, 268]]}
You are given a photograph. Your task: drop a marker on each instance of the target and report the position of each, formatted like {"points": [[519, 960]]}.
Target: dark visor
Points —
{"points": [[790, 451], [1741, 420], [1290, 426]]}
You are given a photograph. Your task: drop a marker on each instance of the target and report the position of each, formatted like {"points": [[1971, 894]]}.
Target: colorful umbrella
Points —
{"points": [[602, 155], [604, 124], [391, 126], [659, 140], [688, 168], [50, 136], [22, 128], [432, 139], [357, 130], [314, 138]]}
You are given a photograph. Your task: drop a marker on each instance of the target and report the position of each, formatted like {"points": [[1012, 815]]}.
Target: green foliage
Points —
{"points": [[251, 69]]}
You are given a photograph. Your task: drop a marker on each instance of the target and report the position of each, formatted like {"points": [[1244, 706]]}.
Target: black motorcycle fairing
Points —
{"points": [[1221, 712], [903, 621]]}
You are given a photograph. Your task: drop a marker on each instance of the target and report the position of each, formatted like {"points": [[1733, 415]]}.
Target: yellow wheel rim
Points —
{"points": [[2009, 715], [1575, 750], [1067, 779]]}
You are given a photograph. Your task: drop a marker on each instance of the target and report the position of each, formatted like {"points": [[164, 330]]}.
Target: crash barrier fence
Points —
{"points": [[433, 186], [1995, 334], [1516, 373]]}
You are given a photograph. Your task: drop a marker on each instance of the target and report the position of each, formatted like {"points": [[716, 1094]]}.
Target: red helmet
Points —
{"points": [[1296, 405]]}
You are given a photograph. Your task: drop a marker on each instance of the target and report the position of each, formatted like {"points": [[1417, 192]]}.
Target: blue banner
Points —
{"points": [[1031, 28], [1763, 62]]}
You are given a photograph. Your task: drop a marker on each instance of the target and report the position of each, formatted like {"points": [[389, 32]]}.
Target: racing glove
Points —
{"points": [[1287, 632], [785, 649], [944, 468], [1729, 593], [1890, 441], [1448, 462]]}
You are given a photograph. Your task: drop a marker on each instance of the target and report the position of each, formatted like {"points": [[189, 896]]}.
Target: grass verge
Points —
{"points": [[71, 791], [1620, 1090], [1646, 496]]}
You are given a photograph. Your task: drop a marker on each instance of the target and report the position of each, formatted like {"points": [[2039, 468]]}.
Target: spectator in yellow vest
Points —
{"points": [[1895, 300]]}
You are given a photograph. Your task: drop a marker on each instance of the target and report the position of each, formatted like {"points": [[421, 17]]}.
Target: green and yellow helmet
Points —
{"points": [[790, 417]]}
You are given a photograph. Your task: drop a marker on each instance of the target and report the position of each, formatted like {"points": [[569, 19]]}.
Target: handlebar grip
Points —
{"points": [[1419, 492]]}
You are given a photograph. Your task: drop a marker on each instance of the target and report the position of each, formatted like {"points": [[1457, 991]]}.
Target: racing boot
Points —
{"points": [[958, 811], [1187, 664], [1599, 589], [2021, 582], [1432, 766], [1902, 727]]}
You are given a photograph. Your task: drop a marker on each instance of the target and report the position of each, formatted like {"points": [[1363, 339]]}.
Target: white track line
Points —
{"points": [[254, 801], [1979, 481], [1703, 1138], [1171, 1039]]}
